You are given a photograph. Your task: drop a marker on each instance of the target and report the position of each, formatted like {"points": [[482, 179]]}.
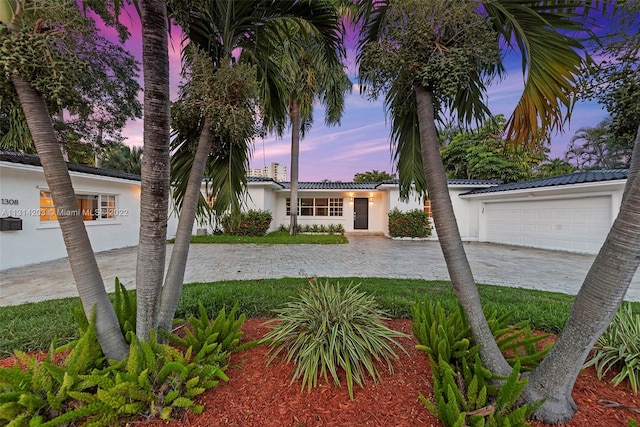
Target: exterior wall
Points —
{"points": [[392, 199], [573, 218], [38, 241], [466, 213], [377, 209]]}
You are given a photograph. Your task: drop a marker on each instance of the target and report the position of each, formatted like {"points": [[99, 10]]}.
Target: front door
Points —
{"points": [[361, 213]]}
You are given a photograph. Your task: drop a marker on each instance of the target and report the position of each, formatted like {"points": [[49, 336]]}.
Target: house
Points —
{"points": [[570, 212], [109, 202], [360, 207]]}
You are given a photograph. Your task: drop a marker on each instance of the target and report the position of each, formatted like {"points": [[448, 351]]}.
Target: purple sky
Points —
{"points": [[361, 142]]}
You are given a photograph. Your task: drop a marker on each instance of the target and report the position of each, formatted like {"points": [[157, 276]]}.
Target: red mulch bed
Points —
{"points": [[262, 396]]}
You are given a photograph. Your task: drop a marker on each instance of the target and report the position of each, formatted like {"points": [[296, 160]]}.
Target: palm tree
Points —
{"points": [[310, 71], [554, 167], [122, 158], [595, 148], [220, 29], [154, 195], [30, 87], [432, 57]]}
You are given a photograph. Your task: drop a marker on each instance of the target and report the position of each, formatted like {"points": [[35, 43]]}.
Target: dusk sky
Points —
{"points": [[361, 142]]}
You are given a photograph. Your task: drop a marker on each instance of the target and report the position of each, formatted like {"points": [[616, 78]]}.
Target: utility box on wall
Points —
{"points": [[10, 224]]}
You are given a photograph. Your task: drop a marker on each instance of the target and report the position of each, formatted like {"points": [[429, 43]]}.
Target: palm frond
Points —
{"points": [[551, 61], [401, 107]]}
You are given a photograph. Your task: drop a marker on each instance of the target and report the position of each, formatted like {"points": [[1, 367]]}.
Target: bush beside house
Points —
{"points": [[413, 223], [250, 223]]}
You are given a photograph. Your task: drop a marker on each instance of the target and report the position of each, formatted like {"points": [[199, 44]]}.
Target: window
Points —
{"points": [[305, 207], [427, 206], [321, 206], [47, 210], [92, 207]]}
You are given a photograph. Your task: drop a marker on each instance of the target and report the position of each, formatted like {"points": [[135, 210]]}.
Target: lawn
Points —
{"points": [[33, 326]]}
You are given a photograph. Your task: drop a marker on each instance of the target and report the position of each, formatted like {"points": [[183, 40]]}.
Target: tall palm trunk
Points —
{"points": [[81, 257], [460, 273], [294, 113], [178, 263], [154, 197], [594, 307]]}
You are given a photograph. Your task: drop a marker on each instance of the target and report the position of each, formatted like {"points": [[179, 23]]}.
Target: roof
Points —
{"points": [[34, 160], [555, 181], [467, 182], [333, 185], [364, 186], [474, 182]]}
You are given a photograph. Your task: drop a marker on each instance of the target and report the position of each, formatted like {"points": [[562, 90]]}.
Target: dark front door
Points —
{"points": [[361, 214]]}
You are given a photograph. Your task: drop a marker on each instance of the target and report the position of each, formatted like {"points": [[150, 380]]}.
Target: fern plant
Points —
{"points": [[330, 328], [466, 393], [33, 392], [618, 349], [198, 332], [156, 380]]}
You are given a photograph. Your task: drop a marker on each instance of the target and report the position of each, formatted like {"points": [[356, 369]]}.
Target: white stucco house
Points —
{"points": [[570, 212], [109, 202]]}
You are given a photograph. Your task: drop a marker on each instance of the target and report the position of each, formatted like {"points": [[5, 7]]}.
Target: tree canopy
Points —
{"points": [[372, 176], [91, 78], [483, 153]]}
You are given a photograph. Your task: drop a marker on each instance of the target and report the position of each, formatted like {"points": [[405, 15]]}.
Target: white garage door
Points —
{"points": [[577, 225]]}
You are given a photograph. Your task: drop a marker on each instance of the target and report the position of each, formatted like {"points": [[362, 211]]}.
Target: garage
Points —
{"points": [[573, 224]]}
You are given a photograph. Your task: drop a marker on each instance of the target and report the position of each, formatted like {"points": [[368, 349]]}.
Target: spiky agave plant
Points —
{"points": [[329, 329]]}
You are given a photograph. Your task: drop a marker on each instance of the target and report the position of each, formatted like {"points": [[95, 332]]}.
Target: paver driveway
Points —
{"points": [[363, 256]]}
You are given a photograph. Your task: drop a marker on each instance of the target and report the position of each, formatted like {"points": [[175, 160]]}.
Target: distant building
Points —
{"points": [[275, 171]]}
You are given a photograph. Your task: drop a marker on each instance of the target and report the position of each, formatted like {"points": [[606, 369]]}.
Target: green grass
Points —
{"points": [[274, 238], [32, 326]]}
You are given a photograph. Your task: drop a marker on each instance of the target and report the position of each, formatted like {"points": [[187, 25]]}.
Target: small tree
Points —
{"points": [[372, 176]]}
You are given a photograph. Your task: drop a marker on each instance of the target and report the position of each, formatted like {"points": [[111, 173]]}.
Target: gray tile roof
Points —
{"points": [[573, 178], [263, 179], [470, 182], [333, 185], [33, 160]]}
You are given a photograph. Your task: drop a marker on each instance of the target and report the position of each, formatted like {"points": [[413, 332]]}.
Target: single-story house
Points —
{"points": [[570, 212], [109, 202]]}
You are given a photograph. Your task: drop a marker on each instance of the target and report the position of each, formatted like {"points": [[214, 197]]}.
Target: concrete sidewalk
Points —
{"points": [[363, 256]]}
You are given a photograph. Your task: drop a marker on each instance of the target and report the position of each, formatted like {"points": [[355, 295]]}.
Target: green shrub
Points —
{"points": [[466, 393], [331, 328], [618, 349], [250, 223], [414, 223], [315, 228], [154, 380]]}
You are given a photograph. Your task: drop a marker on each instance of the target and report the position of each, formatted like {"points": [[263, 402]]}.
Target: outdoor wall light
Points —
{"points": [[371, 199], [351, 199]]}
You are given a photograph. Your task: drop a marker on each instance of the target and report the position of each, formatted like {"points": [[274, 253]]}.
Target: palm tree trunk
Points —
{"points": [[154, 196], [594, 307], [460, 273], [178, 263], [294, 113], [83, 263]]}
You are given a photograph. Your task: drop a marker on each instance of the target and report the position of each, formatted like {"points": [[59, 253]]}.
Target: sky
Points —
{"points": [[361, 142]]}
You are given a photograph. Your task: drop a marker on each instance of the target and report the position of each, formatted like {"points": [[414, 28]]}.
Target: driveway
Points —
{"points": [[363, 256]]}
